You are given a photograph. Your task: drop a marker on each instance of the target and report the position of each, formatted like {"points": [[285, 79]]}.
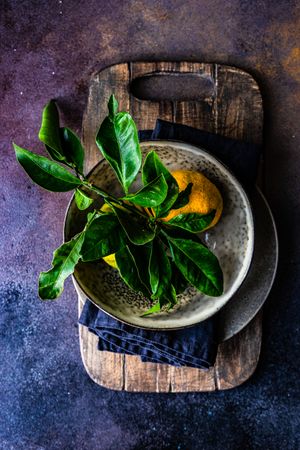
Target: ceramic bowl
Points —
{"points": [[231, 240]]}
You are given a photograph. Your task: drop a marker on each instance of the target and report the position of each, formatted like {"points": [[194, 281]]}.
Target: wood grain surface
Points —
{"points": [[228, 103]]}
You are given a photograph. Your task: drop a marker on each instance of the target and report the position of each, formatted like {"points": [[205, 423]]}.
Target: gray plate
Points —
{"points": [[248, 300], [250, 297], [232, 241]]}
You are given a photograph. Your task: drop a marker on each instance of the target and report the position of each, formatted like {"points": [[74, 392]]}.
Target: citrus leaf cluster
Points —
{"points": [[154, 257]]}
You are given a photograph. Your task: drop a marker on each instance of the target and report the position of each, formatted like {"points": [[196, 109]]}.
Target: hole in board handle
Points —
{"points": [[173, 86]]}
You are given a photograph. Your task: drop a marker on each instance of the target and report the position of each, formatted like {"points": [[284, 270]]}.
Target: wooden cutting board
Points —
{"points": [[213, 97]]}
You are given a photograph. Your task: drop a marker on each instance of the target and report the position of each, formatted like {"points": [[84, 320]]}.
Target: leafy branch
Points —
{"points": [[153, 256]]}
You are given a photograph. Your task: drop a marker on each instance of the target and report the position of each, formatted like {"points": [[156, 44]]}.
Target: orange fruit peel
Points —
{"points": [[204, 196]]}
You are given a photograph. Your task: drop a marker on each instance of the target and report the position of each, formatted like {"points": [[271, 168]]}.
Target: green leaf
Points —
{"points": [[65, 258], [141, 255], [129, 272], [46, 173], [167, 231], [82, 200], [103, 237], [49, 132], [198, 265], [169, 299], [155, 308], [183, 197], [193, 222], [72, 148], [137, 227], [152, 168], [90, 215], [118, 141], [113, 106], [159, 269], [62, 144], [153, 194], [179, 282]]}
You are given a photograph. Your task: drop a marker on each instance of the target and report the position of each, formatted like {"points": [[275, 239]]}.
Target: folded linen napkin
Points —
{"points": [[195, 346]]}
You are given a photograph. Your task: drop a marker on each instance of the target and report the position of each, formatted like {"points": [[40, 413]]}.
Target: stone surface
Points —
{"points": [[50, 49]]}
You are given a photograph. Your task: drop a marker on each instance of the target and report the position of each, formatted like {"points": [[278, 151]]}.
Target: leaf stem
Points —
{"points": [[111, 198], [99, 191]]}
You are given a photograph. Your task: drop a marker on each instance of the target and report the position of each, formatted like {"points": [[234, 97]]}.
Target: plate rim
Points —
{"points": [[274, 273]]}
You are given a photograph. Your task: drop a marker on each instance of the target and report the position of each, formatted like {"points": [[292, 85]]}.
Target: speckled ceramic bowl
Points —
{"points": [[232, 241]]}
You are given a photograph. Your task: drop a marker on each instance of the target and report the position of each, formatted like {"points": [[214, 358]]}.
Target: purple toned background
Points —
{"points": [[50, 49]]}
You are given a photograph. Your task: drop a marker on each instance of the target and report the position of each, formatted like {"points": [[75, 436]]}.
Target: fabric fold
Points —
{"points": [[195, 346]]}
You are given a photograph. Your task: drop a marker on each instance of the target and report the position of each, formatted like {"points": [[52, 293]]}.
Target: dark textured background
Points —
{"points": [[49, 49]]}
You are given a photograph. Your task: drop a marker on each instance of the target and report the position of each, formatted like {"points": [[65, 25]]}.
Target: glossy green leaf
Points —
{"points": [[48, 174], [183, 197], [179, 282], [166, 301], [141, 255], [137, 227], [159, 269], [193, 222], [153, 194], [62, 144], [65, 258], [198, 265], [90, 215], [82, 200], [129, 271], [72, 148], [113, 106], [170, 297], [152, 168], [49, 132], [167, 231], [155, 308], [103, 237], [118, 141]]}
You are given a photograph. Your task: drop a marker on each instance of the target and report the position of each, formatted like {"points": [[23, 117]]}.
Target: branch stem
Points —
{"points": [[112, 198]]}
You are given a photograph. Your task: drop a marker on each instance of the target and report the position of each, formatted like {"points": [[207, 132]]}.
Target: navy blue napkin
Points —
{"points": [[195, 346], [242, 158]]}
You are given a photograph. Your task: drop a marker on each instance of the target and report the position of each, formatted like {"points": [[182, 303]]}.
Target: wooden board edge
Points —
{"points": [[239, 345]]}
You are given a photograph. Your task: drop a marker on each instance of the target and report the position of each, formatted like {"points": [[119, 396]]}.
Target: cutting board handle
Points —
{"points": [[165, 85]]}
